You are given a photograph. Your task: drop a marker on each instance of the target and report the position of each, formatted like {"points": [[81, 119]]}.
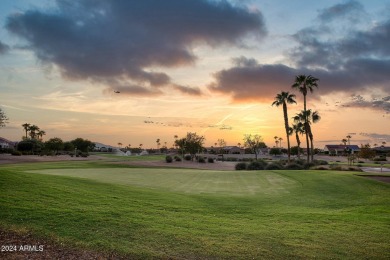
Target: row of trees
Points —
{"points": [[55, 145], [302, 120], [33, 131]]}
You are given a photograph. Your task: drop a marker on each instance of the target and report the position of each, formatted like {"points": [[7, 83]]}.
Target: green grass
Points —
{"points": [[179, 213], [158, 157]]}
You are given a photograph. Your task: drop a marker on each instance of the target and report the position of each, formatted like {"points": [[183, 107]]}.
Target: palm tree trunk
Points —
{"points": [[311, 143], [306, 129], [287, 127], [298, 144]]}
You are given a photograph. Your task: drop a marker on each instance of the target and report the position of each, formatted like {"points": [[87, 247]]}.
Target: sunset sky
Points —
{"points": [[210, 67]]}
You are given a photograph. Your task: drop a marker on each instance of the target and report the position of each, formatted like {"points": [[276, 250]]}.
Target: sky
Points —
{"points": [[206, 66]]}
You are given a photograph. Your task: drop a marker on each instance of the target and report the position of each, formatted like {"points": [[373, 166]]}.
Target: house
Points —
{"points": [[341, 149], [4, 143]]}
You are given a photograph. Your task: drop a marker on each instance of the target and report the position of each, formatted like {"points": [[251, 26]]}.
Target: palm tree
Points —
{"points": [[276, 141], [349, 137], [26, 128], [307, 118], [298, 129], [283, 99], [304, 84], [158, 143], [40, 134], [33, 131], [280, 141], [344, 141]]}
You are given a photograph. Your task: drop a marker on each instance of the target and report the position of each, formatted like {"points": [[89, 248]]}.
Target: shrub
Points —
{"points": [[320, 162], [308, 165], [274, 166], [177, 158], [16, 153], [360, 161], [321, 168], [210, 160], [201, 160], [380, 159], [187, 157], [256, 165], [299, 161], [84, 154], [168, 159], [293, 166], [241, 166]]}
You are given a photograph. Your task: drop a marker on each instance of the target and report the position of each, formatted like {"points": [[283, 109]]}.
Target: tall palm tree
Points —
{"points": [[298, 129], [26, 128], [307, 118], [348, 138], [280, 141], [40, 134], [344, 141], [33, 131], [276, 141], [304, 84], [158, 143], [283, 99]]}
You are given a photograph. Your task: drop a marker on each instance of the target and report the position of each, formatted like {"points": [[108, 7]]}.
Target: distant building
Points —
{"points": [[4, 143], [340, 149]]}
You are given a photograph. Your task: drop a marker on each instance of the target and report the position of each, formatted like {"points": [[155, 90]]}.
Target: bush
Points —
{"points": [[187, 157], [16, 153], [210, 160], [380, 159], [256, 165], [241, 166], [320, 162], [201, 160], [360, 161], [274, 166], [293, 166], [168, 159], [84, 154], [177, 158], [308, 165], [321, 168]]}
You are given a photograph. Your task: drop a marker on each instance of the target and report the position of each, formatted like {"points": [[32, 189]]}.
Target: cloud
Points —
{"points": [[188, 90], [105, 40], [382, 104], [351, 10], [3, 48], [348, 59]]}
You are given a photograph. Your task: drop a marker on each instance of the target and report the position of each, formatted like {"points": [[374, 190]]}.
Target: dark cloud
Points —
{"points": [[249, 81], [188, 90], [356, 61], [3, 48], [351, 10], [382, 104], [107, 39]]}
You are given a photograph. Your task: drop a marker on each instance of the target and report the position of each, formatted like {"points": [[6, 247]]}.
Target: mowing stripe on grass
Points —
{"points": [[187, 180]]}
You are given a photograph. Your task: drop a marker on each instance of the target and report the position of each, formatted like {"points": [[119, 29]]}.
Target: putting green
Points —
{"points": [[187, 180]]}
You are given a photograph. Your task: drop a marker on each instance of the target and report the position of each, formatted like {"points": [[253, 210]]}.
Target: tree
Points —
{"points": [[276, 141], [54, 144], [297, 128], [304, 84], [344, 141], [275, 151], [308, 117], [83, 145], [26, 127], [30, 145], [40, 134], [222, 144], [366, 152], [254, 143], [33, 131], [68, 146], [158, 143], [283, 99], [191, 144], [348, 138]]}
